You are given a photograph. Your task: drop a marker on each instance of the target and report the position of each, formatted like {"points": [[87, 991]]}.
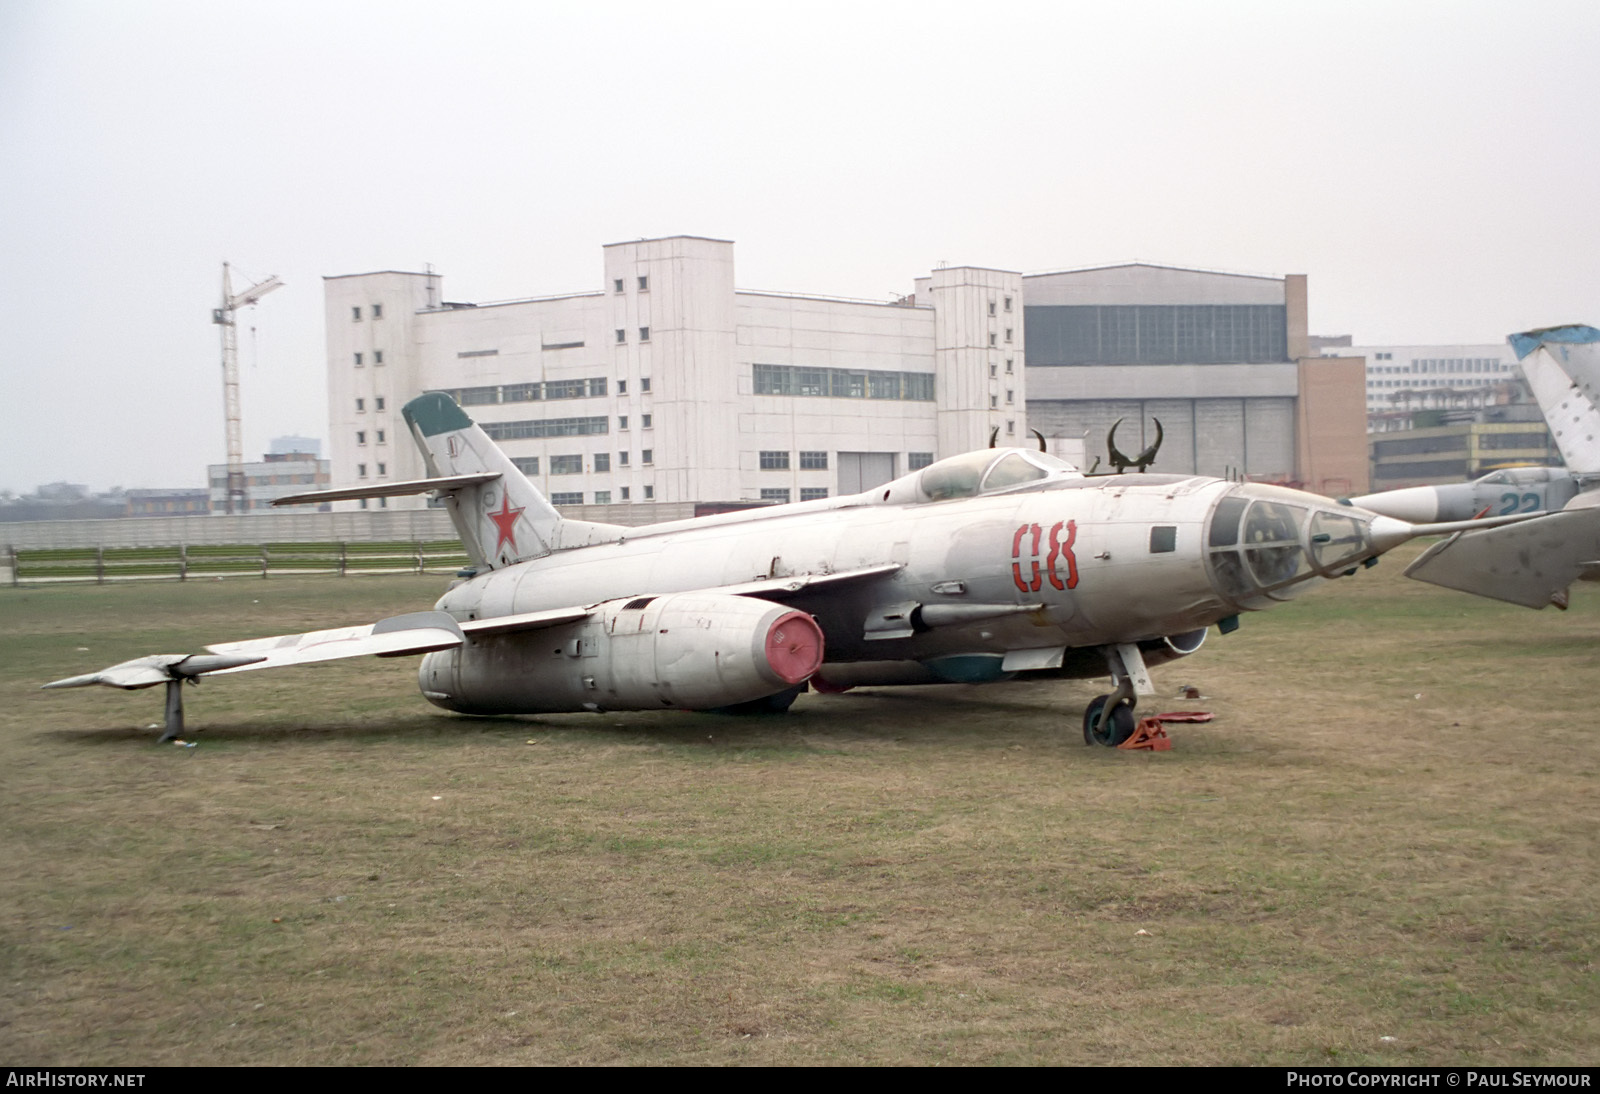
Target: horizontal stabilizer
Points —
{"points": [[444, 484], [1529, 564]]}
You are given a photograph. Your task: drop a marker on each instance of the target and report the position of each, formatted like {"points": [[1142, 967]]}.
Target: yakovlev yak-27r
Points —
{"points": [[998, 564]]}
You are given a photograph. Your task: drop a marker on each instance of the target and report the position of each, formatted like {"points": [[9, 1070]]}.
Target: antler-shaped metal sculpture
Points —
{"points": [[1139, 462]]}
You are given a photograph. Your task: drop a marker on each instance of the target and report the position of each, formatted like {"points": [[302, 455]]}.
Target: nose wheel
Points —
{"points": [[1108, 721]]}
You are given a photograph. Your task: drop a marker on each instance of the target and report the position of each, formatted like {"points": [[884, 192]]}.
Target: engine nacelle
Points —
{"points": [[693, 651]]}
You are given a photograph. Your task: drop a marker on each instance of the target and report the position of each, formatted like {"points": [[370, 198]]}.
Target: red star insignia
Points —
{"points": [[506, 521]]}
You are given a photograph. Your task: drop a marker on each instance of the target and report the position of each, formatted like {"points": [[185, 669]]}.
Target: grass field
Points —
{"points": [[1384, 850]]}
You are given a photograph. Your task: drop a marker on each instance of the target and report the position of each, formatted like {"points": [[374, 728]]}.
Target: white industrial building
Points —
{"points": [[1405, 378], [670, 386]]}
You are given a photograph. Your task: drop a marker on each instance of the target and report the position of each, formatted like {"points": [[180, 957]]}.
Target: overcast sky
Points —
{"points": [[1433, 168]]}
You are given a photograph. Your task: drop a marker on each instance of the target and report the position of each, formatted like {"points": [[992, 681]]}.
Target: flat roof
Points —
{"points": [[1156, 266], [372, 273], [662, 239]]}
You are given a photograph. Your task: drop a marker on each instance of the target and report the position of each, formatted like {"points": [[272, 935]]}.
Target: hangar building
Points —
{"points": [[1221, 359]]}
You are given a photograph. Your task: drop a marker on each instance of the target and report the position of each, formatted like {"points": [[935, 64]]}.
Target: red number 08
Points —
{"points": [[1059, 549]]}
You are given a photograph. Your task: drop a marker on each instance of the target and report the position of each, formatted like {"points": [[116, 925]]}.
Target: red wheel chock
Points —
{"points": [[1151, 736]]}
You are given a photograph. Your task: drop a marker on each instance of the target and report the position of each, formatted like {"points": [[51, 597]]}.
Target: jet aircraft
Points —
{"points": [[1508, 490], [1532, 565], [993, 565]]}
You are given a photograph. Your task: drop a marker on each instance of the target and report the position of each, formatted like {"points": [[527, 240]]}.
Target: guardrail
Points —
{"points": [[102, 564]]}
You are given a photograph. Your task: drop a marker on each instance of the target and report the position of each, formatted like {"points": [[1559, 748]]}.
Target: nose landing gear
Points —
{"points": [[1108, 720]]}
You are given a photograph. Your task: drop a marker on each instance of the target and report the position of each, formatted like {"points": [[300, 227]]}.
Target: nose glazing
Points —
{"points": [[1266, 543]]}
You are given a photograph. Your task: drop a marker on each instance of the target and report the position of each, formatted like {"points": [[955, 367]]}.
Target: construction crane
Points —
{"points": [[224, 317]]}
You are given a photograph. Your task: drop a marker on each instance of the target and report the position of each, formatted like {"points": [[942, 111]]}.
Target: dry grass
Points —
{"points": [[338, 874]]}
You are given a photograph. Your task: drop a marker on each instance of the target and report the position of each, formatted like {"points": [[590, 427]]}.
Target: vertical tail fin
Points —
{"points": [[501, 522], [1562, 365]]}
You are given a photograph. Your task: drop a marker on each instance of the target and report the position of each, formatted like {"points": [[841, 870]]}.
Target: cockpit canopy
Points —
{"points": [[988, 471], [1516, 476]]}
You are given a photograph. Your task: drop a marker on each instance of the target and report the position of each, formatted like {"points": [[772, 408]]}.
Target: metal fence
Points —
{"points": [[102, 564]]}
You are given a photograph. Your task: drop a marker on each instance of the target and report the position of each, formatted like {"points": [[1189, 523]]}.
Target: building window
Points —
{"points": [[377, 311], [1008, 303], [377, 356], [774, 461], [916, 461], [991, 307], [622, 423], [378, 402], [361, 470], [1008, 366], [649, 493], [622, 387], [602, 497], [777, 494], [644, 334], [1011, 428], [574, 497], [624, 493], [566, 465], [842, 383], [361, 406], [383, 503], [617, 284], [622, 459], [528, 465], [644, 383], [363, 503], [647, 456], [813, 493], [361, 436], [994, 370], [358, 360], [1150, 334], [380, 437], [1010, 397], [994, 402], [622, 335], [644, 421], [602, 461], [1008, 334], [991, 339], [534, 392], [644, 283], [813, 461], [383, 468], [355, 315], [546, 427]]}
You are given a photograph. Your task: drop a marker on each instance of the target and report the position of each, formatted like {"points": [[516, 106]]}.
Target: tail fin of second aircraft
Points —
{"points": [[502, 521], [1562, 365]]}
